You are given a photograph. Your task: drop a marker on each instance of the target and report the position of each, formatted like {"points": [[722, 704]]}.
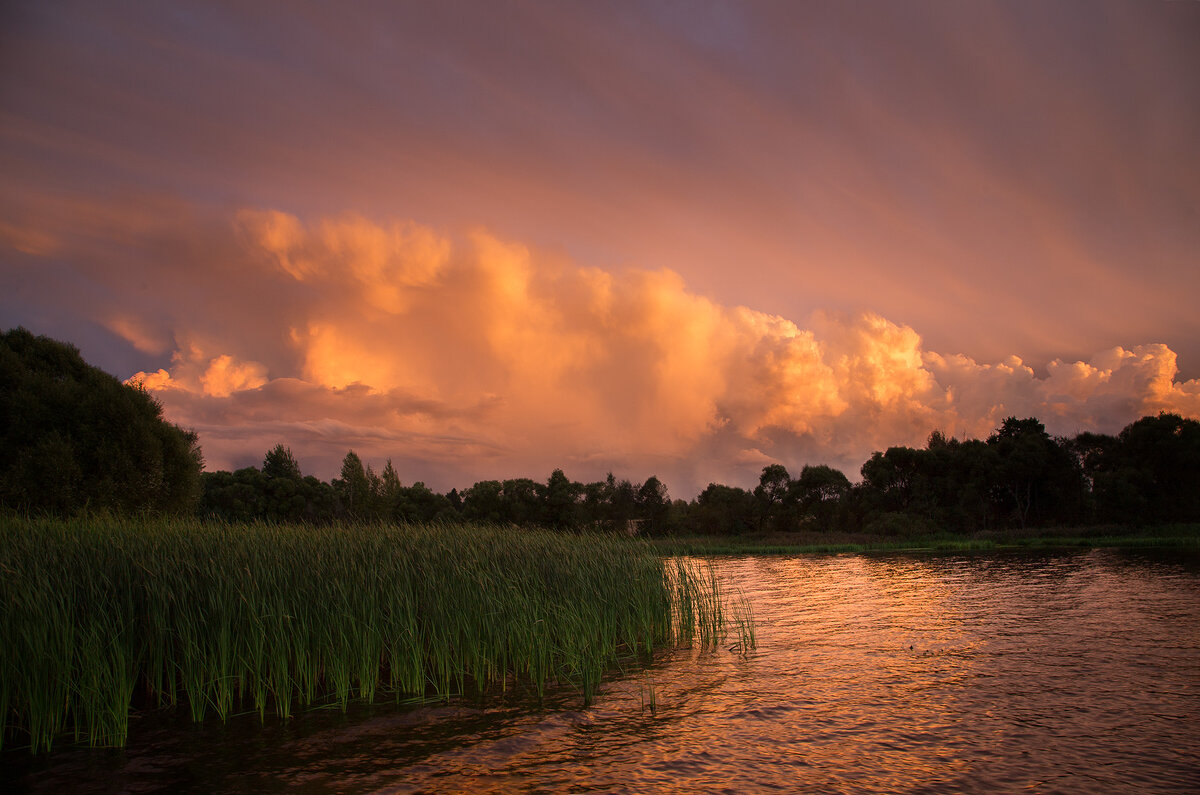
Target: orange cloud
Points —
{"points": [[225, 375], [477, 357], [138, 333]]}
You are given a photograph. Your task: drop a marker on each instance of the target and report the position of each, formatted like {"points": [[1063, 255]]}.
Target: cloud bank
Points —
{"points": [[469, 357]]}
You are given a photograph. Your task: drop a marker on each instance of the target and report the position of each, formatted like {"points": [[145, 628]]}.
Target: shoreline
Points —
{"points": [[1176, 537]]}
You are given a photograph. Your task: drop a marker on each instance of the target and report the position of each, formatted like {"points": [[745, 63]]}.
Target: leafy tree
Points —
{"points": [[772, 496], [597, 501], [483, 503], [280, 463], [522, 501], [890, 478], [1150, 472], [819, 493], [623, 505], [250, 494], [390, 493], [234, 496], [354, 487], [455, 500], [562, 497], [73, 437], [654, 506], [419, 503], [725, 510], [1036, 478]]}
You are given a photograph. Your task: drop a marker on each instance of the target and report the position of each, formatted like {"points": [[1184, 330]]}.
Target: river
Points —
{"points": [[1044, 672]]}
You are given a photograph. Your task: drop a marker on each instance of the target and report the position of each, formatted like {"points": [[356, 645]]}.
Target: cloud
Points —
{"points": [[474, 357]]}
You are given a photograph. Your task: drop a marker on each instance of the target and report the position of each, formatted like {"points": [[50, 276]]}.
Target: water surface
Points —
{"points": [[1053, 672]]}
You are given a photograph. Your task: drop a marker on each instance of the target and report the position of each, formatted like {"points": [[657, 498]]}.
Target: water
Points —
{"points": [[1072, 672]]}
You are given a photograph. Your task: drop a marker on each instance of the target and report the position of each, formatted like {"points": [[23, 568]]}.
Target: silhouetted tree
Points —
{"points": [[1150, 472], [354, 487], [890, 479], [482, 502], [73, 437], [726, 510], [1036, 478], [521, 500], [562, 501], [654, 507], [277, 493], [390, 493], [771, 496], [280, 463], [818, 494]]}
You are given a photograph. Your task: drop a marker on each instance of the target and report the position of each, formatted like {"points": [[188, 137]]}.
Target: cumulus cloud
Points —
{"points": [[464, 357]]}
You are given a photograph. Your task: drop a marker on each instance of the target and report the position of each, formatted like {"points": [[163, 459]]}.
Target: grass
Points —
{"points": [[101, 614], [1179, 536]]}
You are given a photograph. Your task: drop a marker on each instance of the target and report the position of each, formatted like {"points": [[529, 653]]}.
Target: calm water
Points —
{"points": [[1071, 672]]}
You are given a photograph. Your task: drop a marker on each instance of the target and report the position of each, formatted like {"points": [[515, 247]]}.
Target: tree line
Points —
{"points": [[1019, 477], [279, 491], [73, 438]]}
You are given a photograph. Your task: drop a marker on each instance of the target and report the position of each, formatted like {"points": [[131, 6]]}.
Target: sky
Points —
{"points": [[683, 239]]}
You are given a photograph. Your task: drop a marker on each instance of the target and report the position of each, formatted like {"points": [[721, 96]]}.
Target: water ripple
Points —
{"points": [[1047, 672]]}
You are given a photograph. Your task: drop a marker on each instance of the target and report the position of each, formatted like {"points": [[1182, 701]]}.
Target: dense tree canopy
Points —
{"points": [[1018, 477], [73, 437]]}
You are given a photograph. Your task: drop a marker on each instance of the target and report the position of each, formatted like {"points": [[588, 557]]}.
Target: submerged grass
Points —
{"points": [[99, 614]]}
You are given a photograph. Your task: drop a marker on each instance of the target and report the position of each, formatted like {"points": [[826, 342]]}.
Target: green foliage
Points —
{"points": [[280, 463], [1019, 477], [249, 494], [818, 497], [725, 510], [562, 501], [774, 498], [1149, 473], [654, 507], [73, 437], [354, 488], [1037, 480], [218, 618]]}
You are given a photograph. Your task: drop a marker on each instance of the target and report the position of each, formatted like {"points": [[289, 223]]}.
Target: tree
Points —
{"points": [[654, 506], [725, 510], [390, 493], [623, 507], [280, 463], [562, 501], [1150, 472], [1037, 479], [482, 502], [455, 500], [354, 487], [419, 503], [818, 493], [521, 500], [73, 437], [890, 478], [771, 495]]}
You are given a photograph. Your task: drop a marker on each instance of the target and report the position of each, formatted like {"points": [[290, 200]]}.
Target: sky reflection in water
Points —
{"points": [[1056, 672]]}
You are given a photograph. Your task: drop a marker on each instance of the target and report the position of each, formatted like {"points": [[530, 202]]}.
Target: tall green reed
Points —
{"points": [[97, 614]]}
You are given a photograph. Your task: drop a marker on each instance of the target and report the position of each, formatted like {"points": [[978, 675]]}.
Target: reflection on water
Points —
{"points": [[1056, 672]]}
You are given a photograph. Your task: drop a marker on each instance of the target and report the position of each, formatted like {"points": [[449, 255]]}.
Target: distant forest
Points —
{"points": [[74, 438]]}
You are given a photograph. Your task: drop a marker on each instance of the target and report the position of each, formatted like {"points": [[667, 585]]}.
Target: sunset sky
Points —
{"points": [[686, 239]]}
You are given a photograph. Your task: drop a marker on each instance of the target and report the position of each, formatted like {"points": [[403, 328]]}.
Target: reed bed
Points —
{"points": [[100, 614]]}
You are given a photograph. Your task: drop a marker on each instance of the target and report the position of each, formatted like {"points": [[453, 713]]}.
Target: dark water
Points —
{"points": [[1073, 672]]}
